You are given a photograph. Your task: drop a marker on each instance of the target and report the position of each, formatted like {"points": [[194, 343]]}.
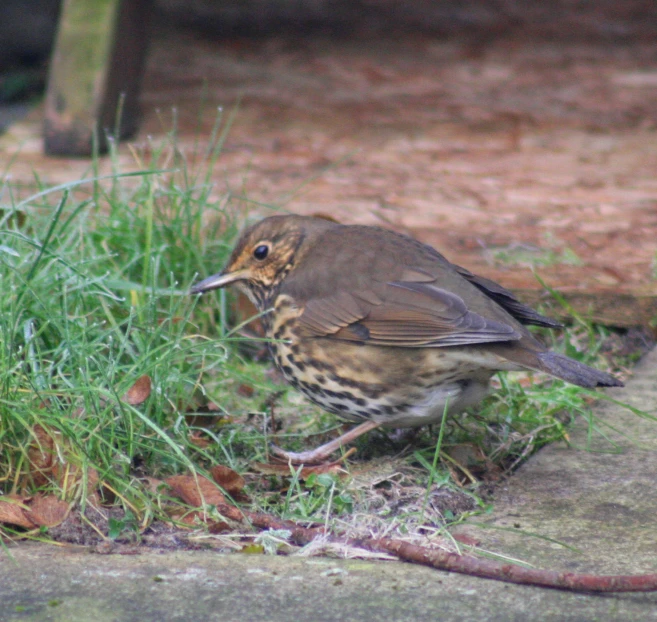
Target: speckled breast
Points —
{"points": [[400, 387]]}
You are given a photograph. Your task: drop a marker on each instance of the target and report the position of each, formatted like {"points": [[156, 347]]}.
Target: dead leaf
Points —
{"points": [[45, 454], [187, 520], [170, 320], [153, 484], [245, 390], [466, 539], [41, 454], [195, 491], [69, 476], [12, 511], [192, 518], [203, 420], [13, 217], [228, 479], [47, 510], [196, 437], [216, 527], [139, 392], [467, 455]]}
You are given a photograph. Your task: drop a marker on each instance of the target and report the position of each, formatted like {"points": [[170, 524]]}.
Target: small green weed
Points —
{"points": [[552, 254]]}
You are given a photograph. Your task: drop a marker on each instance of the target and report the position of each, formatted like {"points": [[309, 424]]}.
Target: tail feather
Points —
{"points": [[574, 372]]}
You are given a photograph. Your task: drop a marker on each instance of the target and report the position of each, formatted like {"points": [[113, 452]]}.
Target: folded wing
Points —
{"points": [[402, 313]]}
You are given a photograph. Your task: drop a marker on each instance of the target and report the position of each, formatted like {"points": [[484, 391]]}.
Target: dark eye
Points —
{"points": [[261, 252]]}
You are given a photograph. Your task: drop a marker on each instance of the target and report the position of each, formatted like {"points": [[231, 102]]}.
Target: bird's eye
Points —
{"points": [[260, 252]]}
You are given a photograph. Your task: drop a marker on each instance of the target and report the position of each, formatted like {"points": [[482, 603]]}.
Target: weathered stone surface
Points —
{"points": [[46, 583], [601, 502]]}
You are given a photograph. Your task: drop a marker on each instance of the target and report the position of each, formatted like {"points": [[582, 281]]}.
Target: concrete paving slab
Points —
{"points": [[44, 583], [600, 504]]}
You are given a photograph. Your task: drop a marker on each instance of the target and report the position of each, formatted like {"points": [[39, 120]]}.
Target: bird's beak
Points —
{"points": [[218, 280]]}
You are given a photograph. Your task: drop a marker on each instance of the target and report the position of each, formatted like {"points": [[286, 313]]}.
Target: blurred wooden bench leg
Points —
{"points": [[97, 62]]}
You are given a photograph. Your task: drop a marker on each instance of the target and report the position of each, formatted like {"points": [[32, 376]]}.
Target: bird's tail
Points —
{"points": [[574, 372]]}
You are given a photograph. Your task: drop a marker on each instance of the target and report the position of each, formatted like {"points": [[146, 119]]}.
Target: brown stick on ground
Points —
{"points": [[453, 562]]}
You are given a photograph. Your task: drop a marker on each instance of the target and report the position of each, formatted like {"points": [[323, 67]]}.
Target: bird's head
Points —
{"points": [[265, 254]]}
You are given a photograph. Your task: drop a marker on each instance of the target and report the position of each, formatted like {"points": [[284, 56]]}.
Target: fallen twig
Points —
{"points": [[453, 562], [511, 573]]}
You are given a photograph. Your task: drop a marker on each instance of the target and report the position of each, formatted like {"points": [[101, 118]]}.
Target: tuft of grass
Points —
{"points": [[95, 277]]}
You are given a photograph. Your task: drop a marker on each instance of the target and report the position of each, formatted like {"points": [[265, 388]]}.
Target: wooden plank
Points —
{"points": [[95, 74], [610, 308]]}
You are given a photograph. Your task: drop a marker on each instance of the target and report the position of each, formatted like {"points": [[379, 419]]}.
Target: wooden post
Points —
{"points": [[95, 74]]}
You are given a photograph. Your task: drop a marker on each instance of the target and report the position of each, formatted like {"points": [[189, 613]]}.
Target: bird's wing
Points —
{"points": [[401, 313], [506, 299]]}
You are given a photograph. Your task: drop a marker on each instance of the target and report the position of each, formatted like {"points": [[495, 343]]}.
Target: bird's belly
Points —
{"points": [[398, 387], [448, 398]]}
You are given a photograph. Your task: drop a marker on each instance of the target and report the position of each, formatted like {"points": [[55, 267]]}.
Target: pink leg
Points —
{"points": [[321, 453]]}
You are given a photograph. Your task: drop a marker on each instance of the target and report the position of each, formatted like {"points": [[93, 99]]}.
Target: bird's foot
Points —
{"points": [[323, 452]]}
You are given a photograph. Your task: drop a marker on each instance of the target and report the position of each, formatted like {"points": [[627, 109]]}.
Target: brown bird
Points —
{"points": [[381, 329]]}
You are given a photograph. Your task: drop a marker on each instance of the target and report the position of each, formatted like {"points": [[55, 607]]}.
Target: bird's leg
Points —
{"points": [[321, 453]]}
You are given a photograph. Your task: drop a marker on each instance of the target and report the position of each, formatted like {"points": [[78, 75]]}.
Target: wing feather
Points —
{"points": [[402, 313]]}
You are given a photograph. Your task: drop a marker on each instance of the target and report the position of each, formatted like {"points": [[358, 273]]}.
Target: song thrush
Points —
{"points": [[380, 329]]}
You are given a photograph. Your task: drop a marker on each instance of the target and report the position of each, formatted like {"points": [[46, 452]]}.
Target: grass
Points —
{"points": [[550, 254], [95, 296], [95, 276]]}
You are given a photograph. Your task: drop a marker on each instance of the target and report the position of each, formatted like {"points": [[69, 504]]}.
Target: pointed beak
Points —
{"points": [[218, 280]]}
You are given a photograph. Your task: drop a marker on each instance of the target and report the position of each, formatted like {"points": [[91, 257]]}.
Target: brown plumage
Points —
{"points": [[381, 329]]}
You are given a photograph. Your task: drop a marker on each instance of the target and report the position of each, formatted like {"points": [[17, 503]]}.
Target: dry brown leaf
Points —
{"points": [[13, 511], [195, 491], [41, 455], [203, 420], [45, 453], [466, 539], [68, 477], [93, 480], [93, 500], [47, 510], [196, 437], [228, 479], [153, 484], [192, 518], [139, 392], [170, 320], [13, 217], [306, 472], [467, 454], [245, 390], [186, 519], [216, 527]]}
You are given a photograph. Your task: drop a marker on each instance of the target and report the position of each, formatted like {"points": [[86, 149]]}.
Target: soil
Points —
{"points": [[515, 137]]}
